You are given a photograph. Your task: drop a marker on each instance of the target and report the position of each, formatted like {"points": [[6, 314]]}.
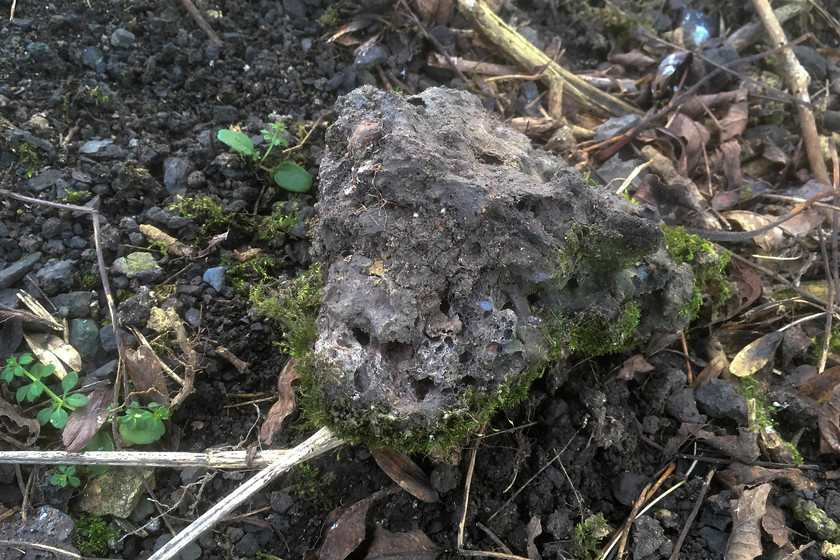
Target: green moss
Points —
{"points": [[588, 535], [707, 262], [380, 428], [596, 335], [330, 18], [279, 224], [295, 305], [91, 536], [75, 197], [753, 390], [256, 271]]}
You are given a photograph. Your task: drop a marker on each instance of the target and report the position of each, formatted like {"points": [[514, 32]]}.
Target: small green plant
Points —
{"points": [[140, 425], [587, 536], [286, 174], [65, 476], [56, 412], [88, 281], [28, 157]]}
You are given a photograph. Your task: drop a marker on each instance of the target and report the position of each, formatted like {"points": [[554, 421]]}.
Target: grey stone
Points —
{"points": [[52, 227], [39, 52], [614, 126], [443, 235], [92, 57], [17, 270], [75, 304], [444, 478], [377, 54], [280, 502], [175, 172], [57, 276], [193, 317], [93, 146], [683, 407], [122, 38], [225, 114], [715, 540], [718, 399], [84, 337], [649, 541], [134, 312], [45, 180], [247, 546], [215, 277], [109, 342], [627, 487], [294, 8]]}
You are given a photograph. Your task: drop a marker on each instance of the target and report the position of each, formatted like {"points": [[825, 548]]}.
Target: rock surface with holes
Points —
{"points": [[458, 260]]}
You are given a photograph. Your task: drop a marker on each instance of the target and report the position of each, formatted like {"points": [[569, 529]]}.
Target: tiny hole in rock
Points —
{"points": [[444, 305], [422, 387], [361, 382], [361, 336], [449, 342], [464, 357], [398, 351]]}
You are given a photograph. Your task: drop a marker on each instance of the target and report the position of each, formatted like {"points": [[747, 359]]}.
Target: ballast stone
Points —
{"points": [[451, 248]]}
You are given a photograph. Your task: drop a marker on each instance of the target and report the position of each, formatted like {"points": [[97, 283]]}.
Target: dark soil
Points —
{"points": [[583, 442]]}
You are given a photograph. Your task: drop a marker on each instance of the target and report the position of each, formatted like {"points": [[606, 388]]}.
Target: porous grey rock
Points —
{"points": [[458, 260]]}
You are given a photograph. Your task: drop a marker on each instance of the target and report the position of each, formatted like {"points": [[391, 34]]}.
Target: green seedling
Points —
{"points": [[286, 174], [65, 476], [143, 425], [56, 412]]}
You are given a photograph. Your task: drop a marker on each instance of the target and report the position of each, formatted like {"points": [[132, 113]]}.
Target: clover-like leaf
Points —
{"points": [[44, 416], [26, 359], [152, 432], [237, 141], [40, 370], [292, 177], [76, 400], [69, 381], [58, 418]]}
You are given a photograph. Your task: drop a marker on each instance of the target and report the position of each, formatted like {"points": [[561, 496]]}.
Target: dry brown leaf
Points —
{"points": [[696, 137], [348, 531], [734, 122], [437, 12], [774, 525], [747, 512], [738, 474], [41, 344], [145, 370], [344, 34], [412, 545], [749, 221], [38, 309], [731, 163], [633, 58], [829, 422], [634, 365], [743, 447], [285, 404], [406, 473], [756, 355], [773, 153], [532, 531], [18, 426], [85, 421], [821, 387]]}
